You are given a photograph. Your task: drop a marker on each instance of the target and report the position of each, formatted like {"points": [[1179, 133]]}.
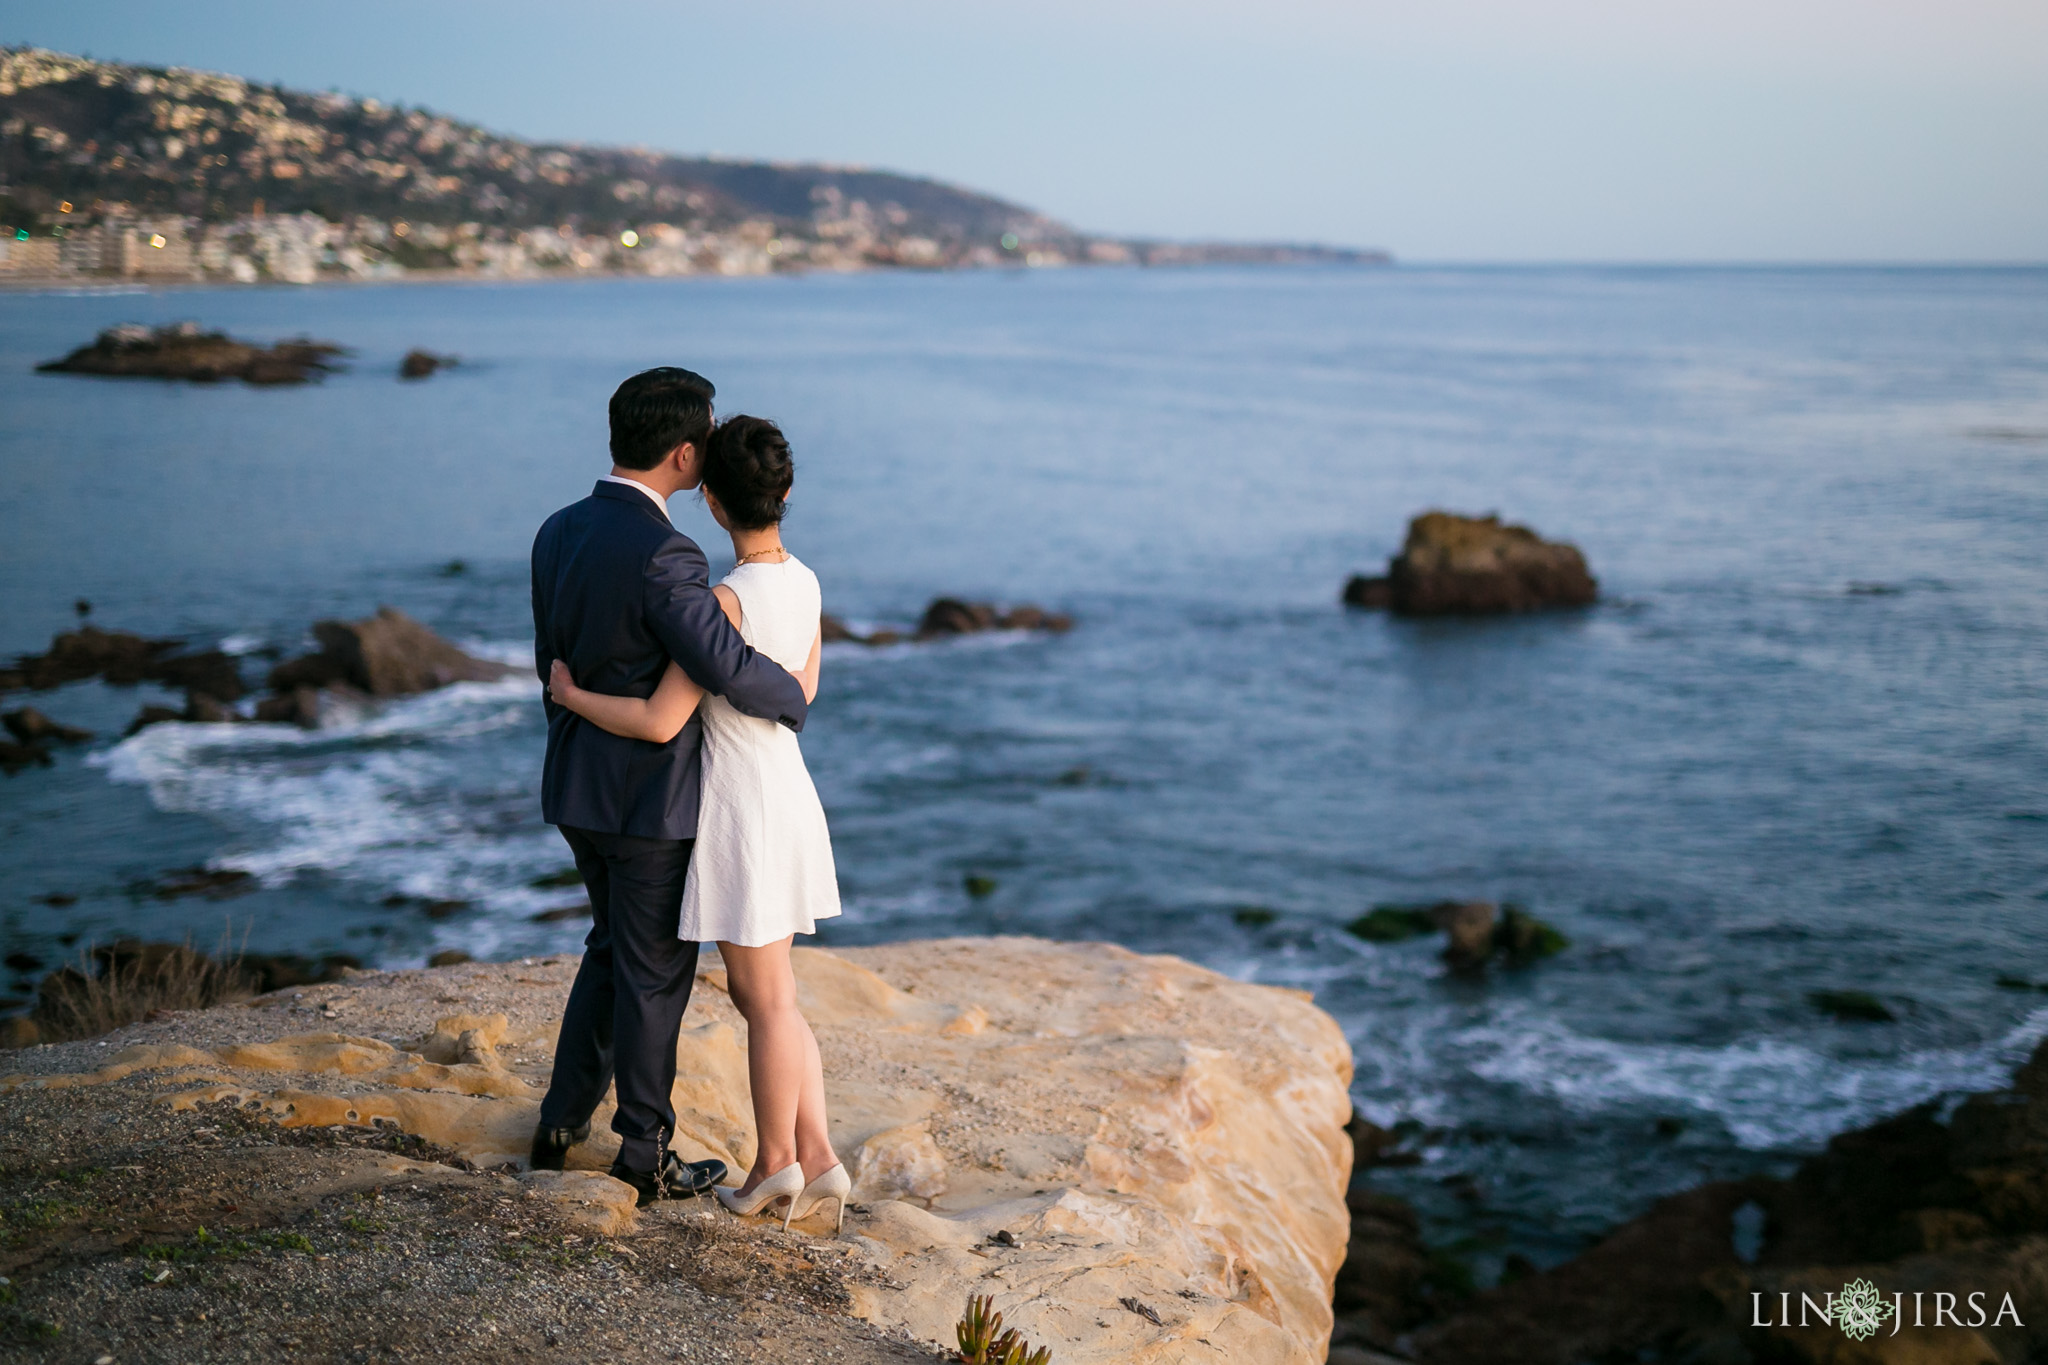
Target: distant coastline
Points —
{"points": [[112, 171]]}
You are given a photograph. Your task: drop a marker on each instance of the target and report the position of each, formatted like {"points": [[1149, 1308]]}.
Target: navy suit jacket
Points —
{"points": [[617, 593]]}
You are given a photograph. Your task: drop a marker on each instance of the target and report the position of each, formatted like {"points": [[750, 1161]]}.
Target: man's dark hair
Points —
{"points": [[747, 467], [657, 410]]}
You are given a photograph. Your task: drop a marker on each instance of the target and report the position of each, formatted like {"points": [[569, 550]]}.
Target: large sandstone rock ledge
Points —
{"points": [[1141, 1160]]}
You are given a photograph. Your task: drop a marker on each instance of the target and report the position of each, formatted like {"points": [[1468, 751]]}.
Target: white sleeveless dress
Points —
{"points": [[762, 868]]}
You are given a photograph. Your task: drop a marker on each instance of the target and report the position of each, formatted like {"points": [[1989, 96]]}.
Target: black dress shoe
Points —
{"points": [[679, 1179], [551, 1145]]}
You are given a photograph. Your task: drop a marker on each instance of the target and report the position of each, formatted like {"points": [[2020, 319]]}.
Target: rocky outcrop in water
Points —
{"points": [[1475, 932], [386, 655], [947, 617], [420, 364], [123, 660], [1943, 1200], [1469, 566], [1141, 1160], [183, 351]]}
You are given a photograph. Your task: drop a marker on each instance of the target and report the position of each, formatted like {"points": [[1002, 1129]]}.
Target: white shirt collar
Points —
{"points": [[659, 501]]}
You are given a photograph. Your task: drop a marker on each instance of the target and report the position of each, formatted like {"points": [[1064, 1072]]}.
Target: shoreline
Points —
{"points": [[57, 284]]}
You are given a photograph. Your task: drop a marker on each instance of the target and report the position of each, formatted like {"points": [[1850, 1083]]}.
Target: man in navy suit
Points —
{"points": [[618, 592]]}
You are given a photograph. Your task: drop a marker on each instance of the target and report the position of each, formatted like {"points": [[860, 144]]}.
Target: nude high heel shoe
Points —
{"points": [[834, 1185], [786, 1183]]}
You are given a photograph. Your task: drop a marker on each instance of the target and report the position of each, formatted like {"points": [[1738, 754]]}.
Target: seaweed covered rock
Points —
{"points": [[1455, 565], [183, 351]]}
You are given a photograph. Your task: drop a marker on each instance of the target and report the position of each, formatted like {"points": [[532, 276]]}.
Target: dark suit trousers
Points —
{"points": [[626, 1007]]}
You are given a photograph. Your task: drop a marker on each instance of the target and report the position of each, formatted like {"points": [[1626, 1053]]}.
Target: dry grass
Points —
{"points": [[127, 981]]}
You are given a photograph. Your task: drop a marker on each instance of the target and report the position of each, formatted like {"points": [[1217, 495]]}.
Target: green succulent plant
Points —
{"points": [[985, 1341]]}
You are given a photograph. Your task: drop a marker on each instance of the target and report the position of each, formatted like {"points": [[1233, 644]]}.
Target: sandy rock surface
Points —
{"points": [[1139, 1159]]}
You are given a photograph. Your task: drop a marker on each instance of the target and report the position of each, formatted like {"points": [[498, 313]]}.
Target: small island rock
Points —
{"points": [[1455, 565], [183, 351]]}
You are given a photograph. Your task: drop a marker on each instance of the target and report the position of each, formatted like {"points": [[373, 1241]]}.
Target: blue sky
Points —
{"points": [[1575, 130]]}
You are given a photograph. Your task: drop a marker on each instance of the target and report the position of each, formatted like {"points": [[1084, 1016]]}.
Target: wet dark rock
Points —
{"points": [[14, 757], [1075, 777], [1860, 1007], [1523, 938], [298, 706], [24, 962], [386, 655], [1372, 1145], [152, 715], [568, 876], [833, 631], [1455, 565], [1393, 923], [979, 886], [31, 726], [125, 660], [202, 709], [214, 883], [951, 616], [419, 364], [1253, 916], [1468, 931], [454, 568], [1913, 1203], [183, 351], [59, 899], [1475, 934], [1372, 594], [449, 957], [561, 913], [443, 909]]}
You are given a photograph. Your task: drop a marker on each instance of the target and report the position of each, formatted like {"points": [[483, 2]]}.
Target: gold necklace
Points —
{"points": [[771, 550]]}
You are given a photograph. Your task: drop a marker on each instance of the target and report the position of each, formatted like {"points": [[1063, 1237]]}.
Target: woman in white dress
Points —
{"points": [[762, 868]]}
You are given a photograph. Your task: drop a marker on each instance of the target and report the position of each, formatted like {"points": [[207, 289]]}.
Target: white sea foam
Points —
{"points": [[1769, 1093], [390, 797]]}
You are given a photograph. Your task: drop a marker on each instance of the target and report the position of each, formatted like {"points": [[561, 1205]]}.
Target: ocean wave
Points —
{"points": [[400, 797], [1769, 1093]]}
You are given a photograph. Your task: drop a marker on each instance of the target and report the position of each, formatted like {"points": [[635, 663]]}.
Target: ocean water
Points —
{"points": [[1799, 746]]}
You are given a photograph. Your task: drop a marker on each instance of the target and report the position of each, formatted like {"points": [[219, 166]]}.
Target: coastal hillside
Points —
{"points": [[200, 160]]}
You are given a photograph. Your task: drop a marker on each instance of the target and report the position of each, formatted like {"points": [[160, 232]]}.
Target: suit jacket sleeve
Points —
{"points": [[685, 616], [543, 647]]}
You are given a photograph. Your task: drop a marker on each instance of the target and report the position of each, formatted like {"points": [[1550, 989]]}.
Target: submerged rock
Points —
{"points": [[419, 364], [1474, 932], [31, 726], [1455, 565], [1859, 1007], [183, 351], [14, 757], [951, 616]]}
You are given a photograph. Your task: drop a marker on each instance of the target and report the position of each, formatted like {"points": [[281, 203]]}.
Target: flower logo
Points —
{"points": [[1860, 1310]]}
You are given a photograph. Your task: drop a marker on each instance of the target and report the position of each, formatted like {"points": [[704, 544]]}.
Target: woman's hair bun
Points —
{"points": [[747, 467]]}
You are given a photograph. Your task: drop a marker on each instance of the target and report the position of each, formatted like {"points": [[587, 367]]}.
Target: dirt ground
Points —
{"points": [[130, 1233]]}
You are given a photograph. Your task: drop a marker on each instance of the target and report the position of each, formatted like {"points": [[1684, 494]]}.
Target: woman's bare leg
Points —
{"points": [[783, 1069]]}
